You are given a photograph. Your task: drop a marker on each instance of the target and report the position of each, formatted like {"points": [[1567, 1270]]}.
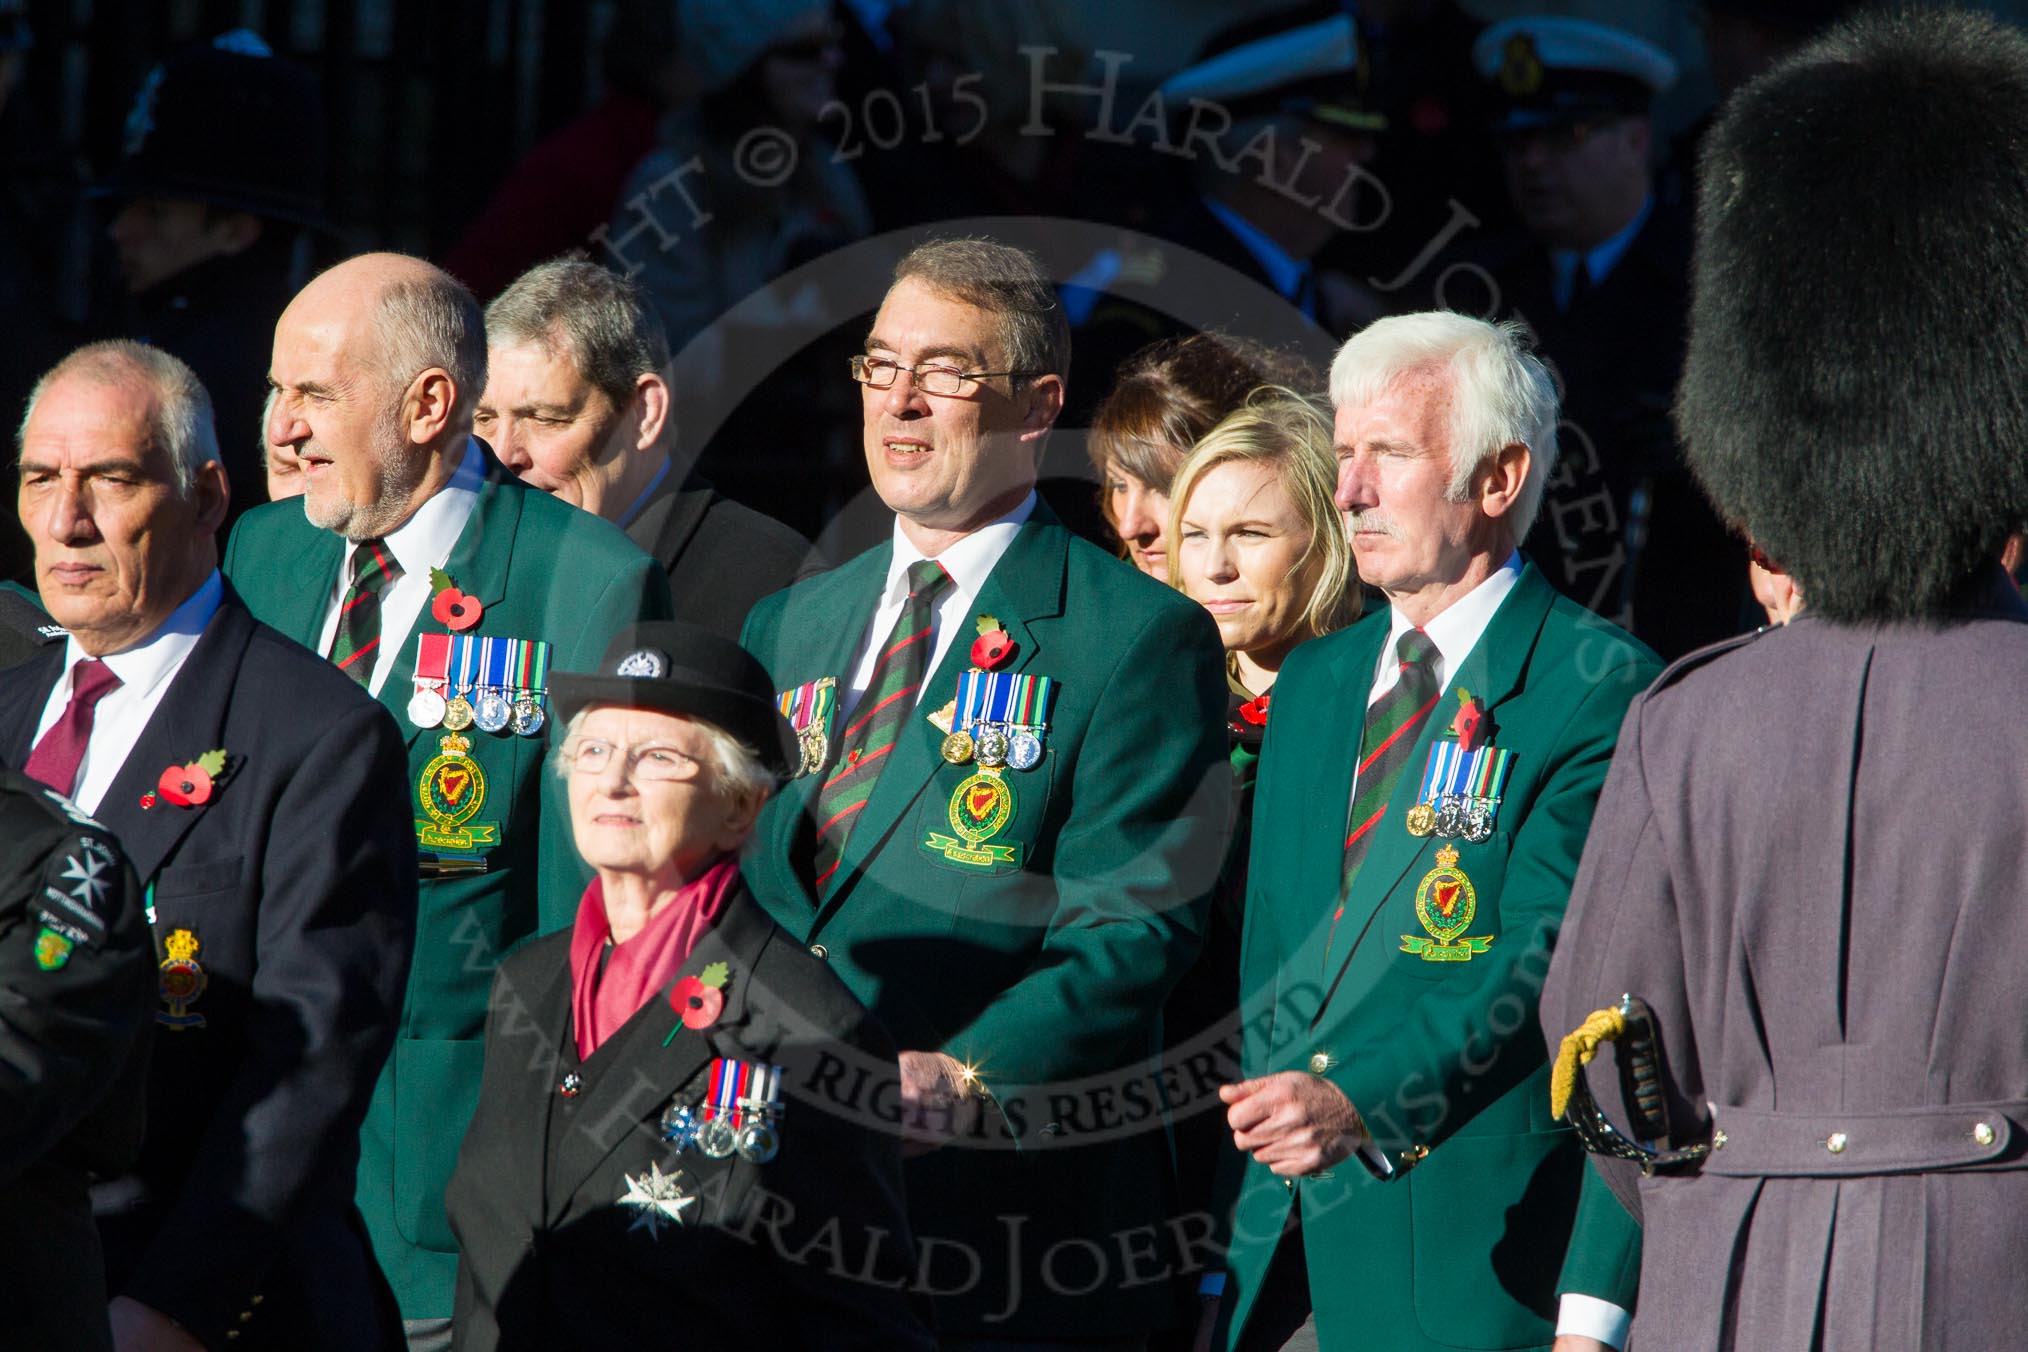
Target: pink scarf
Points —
{"points": [[639, 968]]}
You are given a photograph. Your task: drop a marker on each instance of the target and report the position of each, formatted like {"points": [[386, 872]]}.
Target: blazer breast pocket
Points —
{"points": [[981, 822], [199, 877]]}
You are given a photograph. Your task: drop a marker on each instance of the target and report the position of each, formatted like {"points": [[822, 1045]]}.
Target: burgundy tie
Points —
{"points": [[61, 751]]}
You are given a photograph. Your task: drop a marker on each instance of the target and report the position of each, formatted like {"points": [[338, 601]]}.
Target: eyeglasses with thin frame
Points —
{"points": [[929, 377], [654, 763]]}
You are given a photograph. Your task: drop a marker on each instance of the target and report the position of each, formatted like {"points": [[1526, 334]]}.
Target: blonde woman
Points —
{"points": [[1259, 543]]}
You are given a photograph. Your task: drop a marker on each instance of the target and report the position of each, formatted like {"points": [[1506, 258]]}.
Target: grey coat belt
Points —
{"points": [[1958, 1136]]}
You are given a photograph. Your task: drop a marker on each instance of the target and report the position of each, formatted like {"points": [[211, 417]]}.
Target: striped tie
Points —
{"points": [[1393, 722], [374, 569], [878, 718]]}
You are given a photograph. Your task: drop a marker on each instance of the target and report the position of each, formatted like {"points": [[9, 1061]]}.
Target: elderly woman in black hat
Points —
{"points": [[678, 1137]]}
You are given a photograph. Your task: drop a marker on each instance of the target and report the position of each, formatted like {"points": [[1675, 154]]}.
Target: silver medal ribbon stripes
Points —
{"points": [[494, 684], [742, 1103], [1001, 718], [1461, 792]]}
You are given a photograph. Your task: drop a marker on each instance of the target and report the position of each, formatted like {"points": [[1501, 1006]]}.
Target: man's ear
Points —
{"points": [[1502, 478], [426, 407], [651, 409], [211, 491], [1045, 403]]}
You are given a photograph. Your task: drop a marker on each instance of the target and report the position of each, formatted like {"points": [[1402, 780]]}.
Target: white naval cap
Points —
{"points": [[1311, 68], [1547, 68]]}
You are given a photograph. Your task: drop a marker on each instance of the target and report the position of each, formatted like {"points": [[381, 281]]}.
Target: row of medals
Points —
{"points": [[1454, 817], [994, 745], [492, 711], [755, 1140]]}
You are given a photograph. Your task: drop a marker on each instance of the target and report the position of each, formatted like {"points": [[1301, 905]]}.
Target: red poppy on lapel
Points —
{"points": [[992, 649], [452, 608], [190, 785]]}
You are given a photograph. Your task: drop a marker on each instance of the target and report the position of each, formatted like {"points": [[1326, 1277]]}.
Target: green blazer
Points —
{"points": [[1463, 1248], [1047, 971], [542, 570]]}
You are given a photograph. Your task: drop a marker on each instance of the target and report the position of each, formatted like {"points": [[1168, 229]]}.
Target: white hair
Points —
{"points": [[182, 424], [1501, 393], [737, 767]]}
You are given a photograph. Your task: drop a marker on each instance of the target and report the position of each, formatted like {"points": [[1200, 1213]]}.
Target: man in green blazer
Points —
{"points": [[432, 576], [1011, 815], [1405, 1187]]}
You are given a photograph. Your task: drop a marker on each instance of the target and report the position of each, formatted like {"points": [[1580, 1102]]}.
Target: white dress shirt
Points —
{"points": [[1455, 632], [969, 562], [122, 713], [421, 543]]}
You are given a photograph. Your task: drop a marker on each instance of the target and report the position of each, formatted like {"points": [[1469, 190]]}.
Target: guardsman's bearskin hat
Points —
{"points": [[1855, 396]]}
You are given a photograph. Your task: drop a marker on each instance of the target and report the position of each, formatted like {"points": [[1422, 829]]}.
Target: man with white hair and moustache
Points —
{"points": [[1413, 849]]}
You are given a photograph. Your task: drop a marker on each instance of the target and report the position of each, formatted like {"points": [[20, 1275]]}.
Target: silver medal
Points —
{"points": [[492, 711], [717, 1138], [1024, 750], [989, 742], [528, 716], [426, 707], [758, 1143]]}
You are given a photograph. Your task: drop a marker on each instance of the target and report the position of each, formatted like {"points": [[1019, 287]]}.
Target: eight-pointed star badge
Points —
{"points": [[660, 1198], [90, 877]]}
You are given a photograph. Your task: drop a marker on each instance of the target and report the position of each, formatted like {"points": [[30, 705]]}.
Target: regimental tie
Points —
{"points": [[374, 570], [57, 758], [877, 721], [1393, 723]]}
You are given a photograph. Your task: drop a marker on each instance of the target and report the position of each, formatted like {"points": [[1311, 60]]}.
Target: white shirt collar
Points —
{"points": [[146, 665], [1456, 631], [969, 562], [425, 540]]}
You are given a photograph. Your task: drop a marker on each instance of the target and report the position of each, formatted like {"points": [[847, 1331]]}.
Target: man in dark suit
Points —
{"points": [[445, 587], [261, 799], [1806, 862], [1012, 890], [1600, 271], [75, 988], [578, 404]]}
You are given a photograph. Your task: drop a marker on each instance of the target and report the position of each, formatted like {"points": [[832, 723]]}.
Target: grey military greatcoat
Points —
{"points": [[1810, 860]]}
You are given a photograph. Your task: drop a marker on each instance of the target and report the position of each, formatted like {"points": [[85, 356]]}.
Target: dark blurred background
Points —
{"points": [[487, 135]]}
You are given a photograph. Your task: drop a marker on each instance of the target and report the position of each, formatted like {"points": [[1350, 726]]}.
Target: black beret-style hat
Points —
{"points": [[684, 669]]}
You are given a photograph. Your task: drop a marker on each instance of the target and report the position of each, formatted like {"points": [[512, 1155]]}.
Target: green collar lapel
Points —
{"points": [[1025, 586], [818, 635], [300, 609], [1491, 671], [477, 566]]}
